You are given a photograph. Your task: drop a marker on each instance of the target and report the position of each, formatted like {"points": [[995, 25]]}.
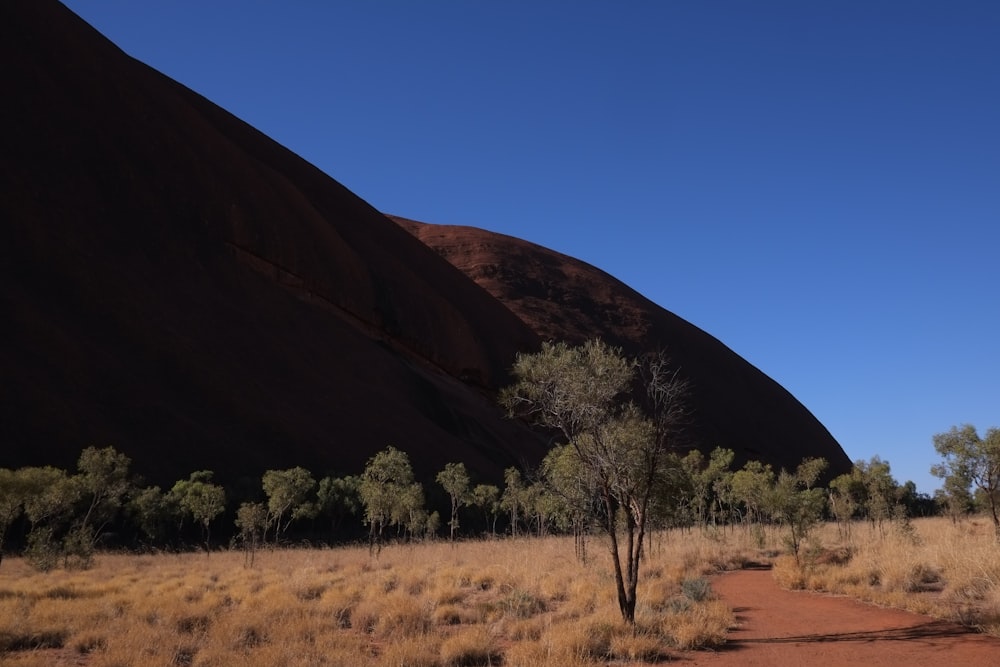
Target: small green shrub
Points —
{"points": [[697, 589]]}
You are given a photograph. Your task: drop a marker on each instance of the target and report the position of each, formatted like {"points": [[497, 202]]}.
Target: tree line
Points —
{"points": [[617, 467]]}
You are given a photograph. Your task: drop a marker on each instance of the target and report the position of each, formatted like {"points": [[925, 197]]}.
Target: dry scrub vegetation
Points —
{"points": [[929, 566], [515, 602]]}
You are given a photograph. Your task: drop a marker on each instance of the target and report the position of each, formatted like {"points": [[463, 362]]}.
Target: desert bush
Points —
{"points": [[696, 589], [470, 647]]}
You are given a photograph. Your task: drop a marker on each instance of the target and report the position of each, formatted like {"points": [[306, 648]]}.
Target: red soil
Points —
{"points": [[779, 627]]}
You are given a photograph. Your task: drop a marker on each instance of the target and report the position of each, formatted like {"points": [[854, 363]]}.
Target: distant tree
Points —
{"points": [[572, 487], [487, 498], [954, 497], [252, 520], [707, 478], [151, 510], [287, 498], [881, 491], [11, 502], [581, 392], [513, 497], [750, 486], [386, 492], [912, 502], [431, 525], [845, 495], [50, 495], [409, 514], [970, 458], [103, 481], [339, 498], [202, 500], [797, 503], [455, 481]]}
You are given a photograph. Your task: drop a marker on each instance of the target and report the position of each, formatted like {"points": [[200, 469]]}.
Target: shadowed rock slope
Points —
{"points": [[734, 404], [178, 285]]}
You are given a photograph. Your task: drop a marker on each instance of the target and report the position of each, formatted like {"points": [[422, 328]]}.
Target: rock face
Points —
{"points": [[176, 284], [561, 298]]}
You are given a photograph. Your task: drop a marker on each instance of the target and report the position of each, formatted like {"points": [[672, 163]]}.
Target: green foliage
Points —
{"points": [[794, 501], [390, 495], [971, 461], [487, 498], [751, 485], [570, 492], [103, 482], [152, 510], [12, 494], [252, 520], [288, 497], [455, 481], [49, 494], [708, 482], [696, 589], [582, 392], [42, 551], [514, 496], [202, 500], [339, 498], [572, 389]]}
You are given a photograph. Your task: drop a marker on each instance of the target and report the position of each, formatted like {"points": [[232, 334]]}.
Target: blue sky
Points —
{"points": [[816, 184]]}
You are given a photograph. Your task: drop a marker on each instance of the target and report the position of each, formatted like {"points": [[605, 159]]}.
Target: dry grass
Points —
{"points": [[515, 602], [934, 567]]}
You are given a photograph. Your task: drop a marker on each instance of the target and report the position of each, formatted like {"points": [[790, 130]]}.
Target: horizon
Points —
{"points": [[816, 187]]}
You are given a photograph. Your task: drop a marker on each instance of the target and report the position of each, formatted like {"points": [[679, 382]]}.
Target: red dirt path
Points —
{"points": [[779, 628]]}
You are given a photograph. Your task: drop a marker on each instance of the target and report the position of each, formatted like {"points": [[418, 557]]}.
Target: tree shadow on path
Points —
{"points": [[923, 631]]}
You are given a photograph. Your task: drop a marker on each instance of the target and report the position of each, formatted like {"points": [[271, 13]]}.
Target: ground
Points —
{"points": [[782, 628]]}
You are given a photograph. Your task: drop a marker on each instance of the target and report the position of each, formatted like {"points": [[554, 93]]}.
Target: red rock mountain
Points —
{"points": [[562, 298], [176, 284]]}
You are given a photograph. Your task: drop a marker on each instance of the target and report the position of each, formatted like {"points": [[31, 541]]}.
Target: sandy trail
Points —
{"points": [[781, 628]]}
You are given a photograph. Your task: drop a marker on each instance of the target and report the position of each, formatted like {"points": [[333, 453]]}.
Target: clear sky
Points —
{"points": [[816, 184]]}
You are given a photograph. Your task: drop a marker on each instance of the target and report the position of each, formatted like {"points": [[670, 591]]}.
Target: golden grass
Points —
{"points": [[933, 566], [515, 602]]}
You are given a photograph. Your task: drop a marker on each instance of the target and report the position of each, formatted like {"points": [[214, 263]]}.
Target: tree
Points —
{"points": [[707, 479], [455, 481], [796, 502], [750, 486], [569, 481], [513, 498], [967, 458], [487, 498], [880, 491], [409, 514], [201, 499], [151, 509], [49, 497], [845, 496], [954, 496], [11, 502], [338, 498], [386, 492], [103, 480], [252, 520], [581, 392], [287, 498]]}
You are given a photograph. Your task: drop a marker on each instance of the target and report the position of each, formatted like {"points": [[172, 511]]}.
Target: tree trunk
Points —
{"points": [[626, 603]]}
